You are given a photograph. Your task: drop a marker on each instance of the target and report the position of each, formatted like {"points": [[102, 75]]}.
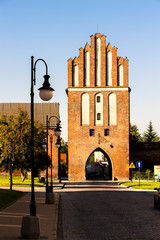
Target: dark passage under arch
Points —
{"points": [[98, 166]]}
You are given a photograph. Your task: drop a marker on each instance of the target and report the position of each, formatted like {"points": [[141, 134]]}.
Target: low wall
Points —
{"points": [[148, 154]]}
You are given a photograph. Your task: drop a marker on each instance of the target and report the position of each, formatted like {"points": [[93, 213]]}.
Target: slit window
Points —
{"points": [[98, 116], [98, 99], [106, 132], [92, 132]]}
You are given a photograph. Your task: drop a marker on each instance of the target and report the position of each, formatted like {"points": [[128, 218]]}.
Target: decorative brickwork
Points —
{"points": [[80, 143]]}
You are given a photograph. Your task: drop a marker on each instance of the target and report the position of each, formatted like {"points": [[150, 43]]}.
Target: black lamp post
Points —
{"points": [[10, 173], [45, 93], [57, 133], [58, 145], [51, 141]]}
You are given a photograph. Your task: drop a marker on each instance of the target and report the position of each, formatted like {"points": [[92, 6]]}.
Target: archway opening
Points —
{"points": [[98, 166]]}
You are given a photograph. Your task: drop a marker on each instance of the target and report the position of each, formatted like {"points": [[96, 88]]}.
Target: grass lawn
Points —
{"points": [[143, 185], [9, 196], [4, 182]]}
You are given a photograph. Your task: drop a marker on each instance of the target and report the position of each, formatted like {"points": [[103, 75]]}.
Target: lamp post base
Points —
{"points": [[30, 227], [50, 198]]}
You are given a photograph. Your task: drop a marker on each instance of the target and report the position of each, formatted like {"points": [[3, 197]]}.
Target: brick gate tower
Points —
{"points": [[98, 109]]}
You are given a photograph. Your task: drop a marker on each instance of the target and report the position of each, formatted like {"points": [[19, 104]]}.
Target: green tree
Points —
{"points": [[150, 135], [91, 158], [64, 166], [134, 135], [15, 142], [64, 147]]}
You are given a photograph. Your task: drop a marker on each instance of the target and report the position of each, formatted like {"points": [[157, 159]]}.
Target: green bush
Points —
{"points": [[148, 175]]}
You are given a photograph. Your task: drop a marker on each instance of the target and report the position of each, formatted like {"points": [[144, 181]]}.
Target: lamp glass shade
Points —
{"points": [[57, 145], [57, 131], [44, 145], [45, 94]]}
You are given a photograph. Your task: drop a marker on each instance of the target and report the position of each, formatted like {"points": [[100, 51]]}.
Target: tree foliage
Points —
{"points": [[15, 142], [64, 147], [150, 135], [64, 165], [91, 158], [134, 135]]}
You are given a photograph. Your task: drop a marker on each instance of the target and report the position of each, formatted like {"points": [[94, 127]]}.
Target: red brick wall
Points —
{"points": [[63, 157], [80, 144]]}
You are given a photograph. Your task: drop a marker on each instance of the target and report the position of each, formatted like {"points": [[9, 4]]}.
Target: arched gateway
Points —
{"points": [[98, 111], [98, 166]]}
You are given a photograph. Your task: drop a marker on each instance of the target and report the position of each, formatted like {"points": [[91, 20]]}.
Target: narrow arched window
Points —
{"points": [[85, 109], [120, 75], [112, 111], [109, 68], [75, 76], [87, 68], [98, 62], [99, 109]]}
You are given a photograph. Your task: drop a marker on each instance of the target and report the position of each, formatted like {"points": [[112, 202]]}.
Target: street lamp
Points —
{"points": [[51, 141], [57, 132], [44, 144], [58, 145], [45, 93]]}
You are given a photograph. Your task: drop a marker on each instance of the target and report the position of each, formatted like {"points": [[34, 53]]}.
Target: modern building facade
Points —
{"points": [[98, 109]]}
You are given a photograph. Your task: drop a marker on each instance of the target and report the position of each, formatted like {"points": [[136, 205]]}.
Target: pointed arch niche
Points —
{"points": [[112, 109], [87, 68], [109, 68], [98, 62], [75, 76], [120, 74], [85, 109], [98, 109]]}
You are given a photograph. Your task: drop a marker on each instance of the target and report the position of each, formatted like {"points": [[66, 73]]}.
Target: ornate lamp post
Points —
{"points": [[58, 145], [45, 93], [57, 133], [51, 141]]}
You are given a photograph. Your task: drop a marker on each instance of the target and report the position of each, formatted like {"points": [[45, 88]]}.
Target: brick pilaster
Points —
{"points": [[70, 72]]}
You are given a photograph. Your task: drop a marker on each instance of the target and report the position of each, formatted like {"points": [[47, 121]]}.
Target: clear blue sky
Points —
{"points": [[55, 30]]}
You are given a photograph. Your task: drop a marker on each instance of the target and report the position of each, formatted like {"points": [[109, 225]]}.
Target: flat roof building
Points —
{"points": [[41, 110]]}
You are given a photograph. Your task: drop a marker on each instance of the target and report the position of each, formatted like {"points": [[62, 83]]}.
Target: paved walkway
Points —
{"points": [[88, 210], [11, 217], [107, 211]]}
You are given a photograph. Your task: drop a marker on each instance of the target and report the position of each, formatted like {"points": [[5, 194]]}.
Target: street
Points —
{"points": [[105, 210]]}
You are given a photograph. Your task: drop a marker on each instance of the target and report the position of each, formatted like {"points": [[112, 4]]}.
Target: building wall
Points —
{"points": [[41, 110], [80, 143], [148, 154]]}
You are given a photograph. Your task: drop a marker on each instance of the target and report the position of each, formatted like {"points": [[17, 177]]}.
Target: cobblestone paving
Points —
{"points": [[110, 214]]}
